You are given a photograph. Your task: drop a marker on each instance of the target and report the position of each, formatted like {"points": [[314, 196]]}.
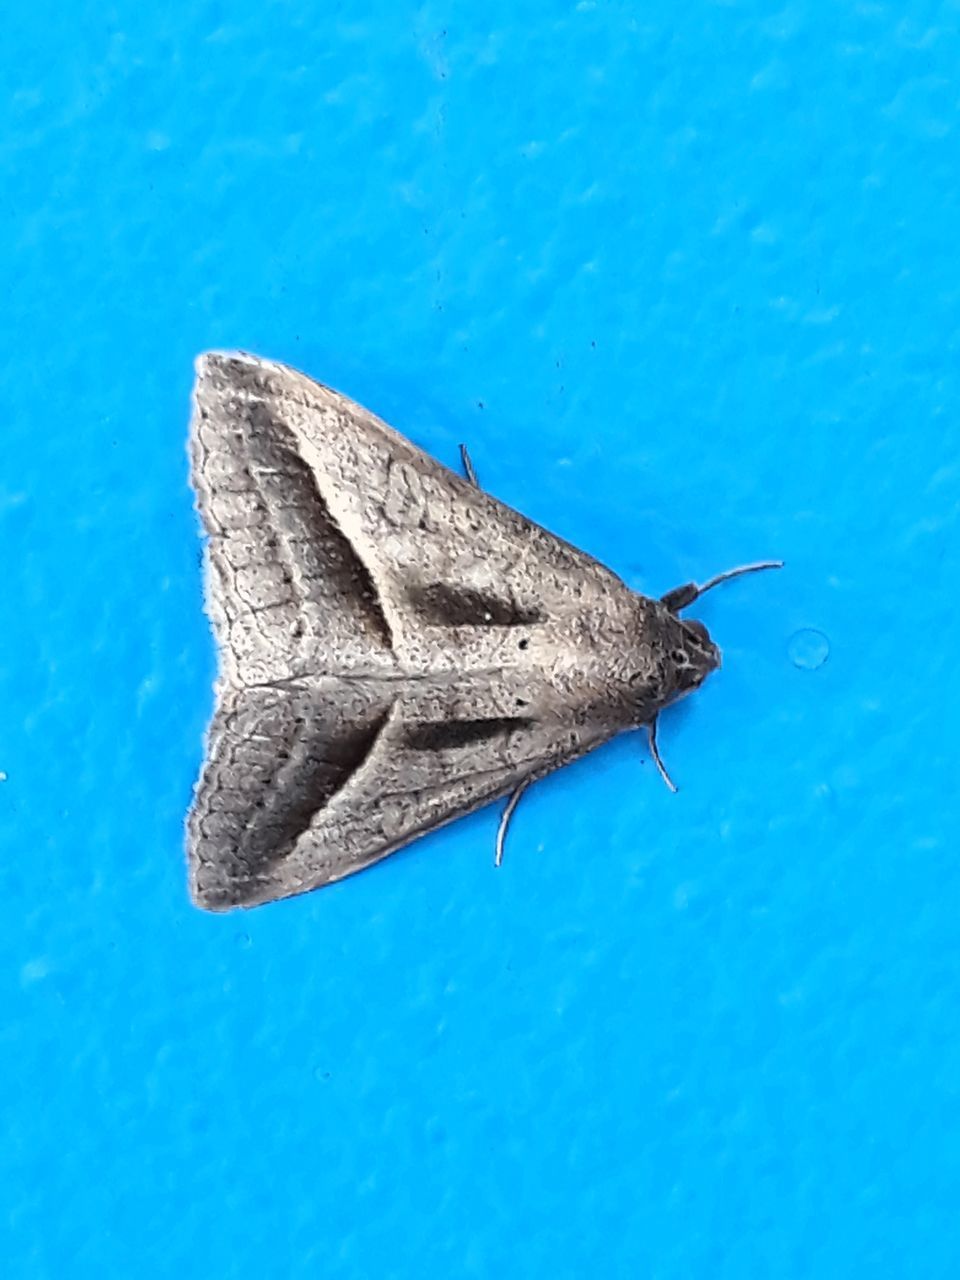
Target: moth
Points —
{"points": [[396, 647]]}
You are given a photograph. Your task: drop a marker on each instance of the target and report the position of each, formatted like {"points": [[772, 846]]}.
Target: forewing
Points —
{"points": [[420, 532], [284, 583], [304, 786]]}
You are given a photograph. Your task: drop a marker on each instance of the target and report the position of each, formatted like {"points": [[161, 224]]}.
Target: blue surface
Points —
{"points": [[689, 287]]}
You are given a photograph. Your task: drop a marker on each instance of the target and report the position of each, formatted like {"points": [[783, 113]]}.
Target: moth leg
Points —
{"points": [[655, 752], [468, 470], [680, 597], [507, 815]]}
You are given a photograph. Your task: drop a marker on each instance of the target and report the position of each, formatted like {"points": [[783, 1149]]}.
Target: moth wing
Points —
{"points": [[284, 583], [402, 522], [304, 786]]}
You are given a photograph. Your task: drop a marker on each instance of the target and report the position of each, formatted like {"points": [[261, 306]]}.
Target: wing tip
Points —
{"points": [[219, 878], [217, 360], [213, 889], [224, 381], [208, 899], [218, 371]]}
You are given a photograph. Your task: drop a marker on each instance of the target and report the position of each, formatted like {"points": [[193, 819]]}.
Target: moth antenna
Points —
{"points": [[505, 820], [468, 470], [655, 752], [680, 597]]}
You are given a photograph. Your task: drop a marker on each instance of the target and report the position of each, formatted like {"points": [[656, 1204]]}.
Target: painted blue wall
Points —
{"points": [[686, 279]]}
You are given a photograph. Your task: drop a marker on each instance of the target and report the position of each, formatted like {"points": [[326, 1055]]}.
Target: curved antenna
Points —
{"points": [[680, 597]]}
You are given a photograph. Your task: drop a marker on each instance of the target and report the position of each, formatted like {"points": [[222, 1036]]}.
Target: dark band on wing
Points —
{"points": [[262, 504], [442, 735], [441, 604], [276, 761], [301, 512]]}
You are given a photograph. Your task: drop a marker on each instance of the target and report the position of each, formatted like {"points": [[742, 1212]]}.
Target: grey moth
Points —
{"points": [[396, 647]]}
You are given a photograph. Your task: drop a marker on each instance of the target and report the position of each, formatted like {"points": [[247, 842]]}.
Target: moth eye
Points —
{"points": [[678, 657], [698, 630], [523, 644], [522, 702]]}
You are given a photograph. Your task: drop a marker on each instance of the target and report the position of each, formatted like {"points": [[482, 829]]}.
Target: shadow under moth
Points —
{"points": [[397, 647]]}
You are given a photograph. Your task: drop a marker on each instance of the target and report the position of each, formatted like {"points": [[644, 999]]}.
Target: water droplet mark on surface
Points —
{"points": [[808, 649]]}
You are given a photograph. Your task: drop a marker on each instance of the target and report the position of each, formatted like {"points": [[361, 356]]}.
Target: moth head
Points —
{"points": [[689, 655], [674, 658], [702, 654]]}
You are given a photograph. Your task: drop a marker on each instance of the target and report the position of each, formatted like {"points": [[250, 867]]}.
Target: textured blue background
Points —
{"points": [[689, 286]]}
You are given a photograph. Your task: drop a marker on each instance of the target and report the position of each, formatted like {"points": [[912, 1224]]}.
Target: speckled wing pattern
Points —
{"points": [[392, 639]]}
